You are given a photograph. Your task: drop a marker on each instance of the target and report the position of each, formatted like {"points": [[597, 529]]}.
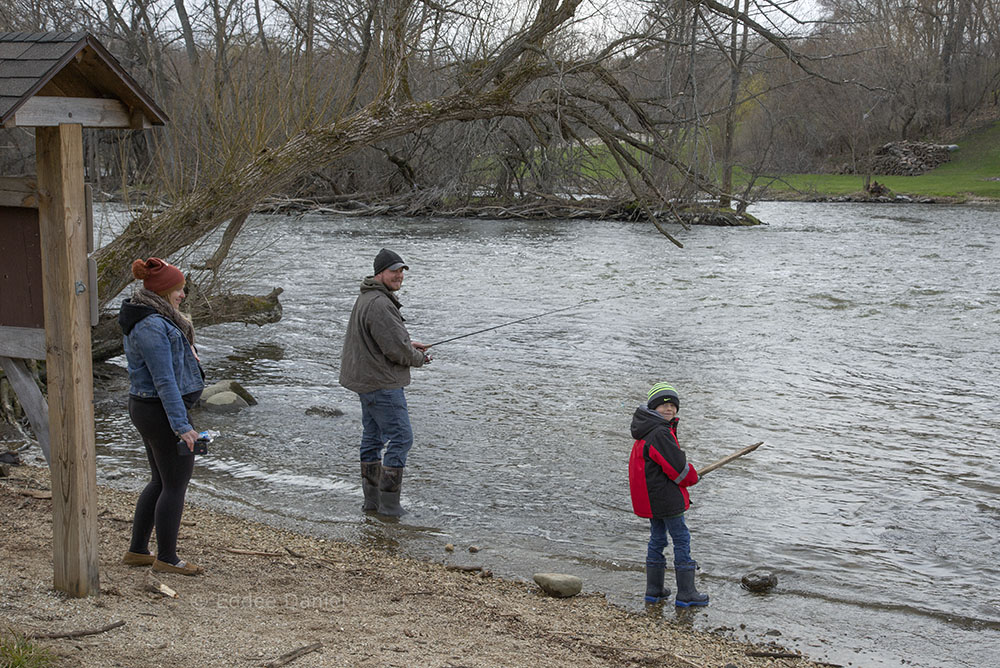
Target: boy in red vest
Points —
{"points": [[659, 475]]}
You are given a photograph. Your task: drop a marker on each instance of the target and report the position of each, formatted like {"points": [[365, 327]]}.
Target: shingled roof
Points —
{"points": [[65, 64]]}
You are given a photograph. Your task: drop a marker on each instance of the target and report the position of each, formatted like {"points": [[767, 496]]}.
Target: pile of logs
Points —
{"points": [[909, 158]]}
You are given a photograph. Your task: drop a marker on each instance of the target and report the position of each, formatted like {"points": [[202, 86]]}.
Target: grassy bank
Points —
{"points": [[972, 173]]}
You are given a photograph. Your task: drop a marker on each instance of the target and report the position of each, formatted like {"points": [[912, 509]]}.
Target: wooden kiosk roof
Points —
{"points": [[48, 78]]}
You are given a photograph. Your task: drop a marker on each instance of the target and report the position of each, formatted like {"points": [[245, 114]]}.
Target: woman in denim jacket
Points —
{"points": [[165, 380]]}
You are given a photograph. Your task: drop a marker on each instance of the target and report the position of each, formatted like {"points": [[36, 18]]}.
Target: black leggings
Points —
{"points": [[162, 501]]}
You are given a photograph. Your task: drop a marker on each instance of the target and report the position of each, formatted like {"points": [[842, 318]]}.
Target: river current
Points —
{"points": [[860, 343]]}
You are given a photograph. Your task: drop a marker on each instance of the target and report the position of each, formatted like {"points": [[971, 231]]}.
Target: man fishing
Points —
{"points": [[375, 363]]}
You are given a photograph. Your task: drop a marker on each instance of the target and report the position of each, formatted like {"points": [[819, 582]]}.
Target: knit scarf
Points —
{"points": [[163, 307]]}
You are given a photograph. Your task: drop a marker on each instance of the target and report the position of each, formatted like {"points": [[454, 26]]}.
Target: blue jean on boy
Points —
{"points": [[386, 422], [679, 534]]}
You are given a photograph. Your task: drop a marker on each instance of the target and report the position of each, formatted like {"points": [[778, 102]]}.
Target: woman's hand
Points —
{"points": [[190, 437]]}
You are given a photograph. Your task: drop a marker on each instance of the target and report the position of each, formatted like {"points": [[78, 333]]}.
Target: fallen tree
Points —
{"points": [[531, 208], [205, 310]]}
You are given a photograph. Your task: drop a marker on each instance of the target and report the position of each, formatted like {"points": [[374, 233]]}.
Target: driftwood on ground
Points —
{"points": [[287, 658], [76, 634]]}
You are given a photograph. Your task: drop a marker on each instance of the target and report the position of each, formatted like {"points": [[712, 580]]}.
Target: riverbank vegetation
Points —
{"points": [[16, 651]]}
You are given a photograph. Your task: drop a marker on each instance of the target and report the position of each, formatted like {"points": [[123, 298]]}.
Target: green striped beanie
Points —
{"points": [[661, 393]]}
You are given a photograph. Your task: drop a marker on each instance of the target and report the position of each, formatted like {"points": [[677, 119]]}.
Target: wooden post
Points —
{"points": [[31, 400], [63, 236]]}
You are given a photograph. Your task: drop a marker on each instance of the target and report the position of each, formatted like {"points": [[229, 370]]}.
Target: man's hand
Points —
{"points": [[423, 348]]}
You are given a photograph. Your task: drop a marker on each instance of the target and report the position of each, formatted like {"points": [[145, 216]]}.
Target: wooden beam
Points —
{"points": [[24, 342], [18, 191], [62, 217], [50, 111], [31, 400]]}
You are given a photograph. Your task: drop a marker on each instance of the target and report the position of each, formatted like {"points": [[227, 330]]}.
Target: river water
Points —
{"points": [[858, 342]]}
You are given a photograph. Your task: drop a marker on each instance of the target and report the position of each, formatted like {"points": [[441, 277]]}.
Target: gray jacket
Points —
{"points": [[377, 353]]}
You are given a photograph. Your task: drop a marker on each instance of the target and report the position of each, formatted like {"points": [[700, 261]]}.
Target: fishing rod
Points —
{"points": [[531, 317]]}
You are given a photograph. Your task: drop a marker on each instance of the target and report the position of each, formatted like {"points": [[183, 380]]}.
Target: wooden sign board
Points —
{"points": [[22, 312], [21, 272]]}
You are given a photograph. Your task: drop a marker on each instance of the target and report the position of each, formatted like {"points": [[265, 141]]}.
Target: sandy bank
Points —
{"points": [[361, 606]]}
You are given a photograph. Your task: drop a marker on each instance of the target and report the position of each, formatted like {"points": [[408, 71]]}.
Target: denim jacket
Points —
{"points": [[161, 363]]}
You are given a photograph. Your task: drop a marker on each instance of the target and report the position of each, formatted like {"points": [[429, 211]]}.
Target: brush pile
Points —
{"points": [[909, 158]]}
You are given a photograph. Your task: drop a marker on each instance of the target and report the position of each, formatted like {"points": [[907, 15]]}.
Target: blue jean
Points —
{"points": [[386, 422], [675, 526]]}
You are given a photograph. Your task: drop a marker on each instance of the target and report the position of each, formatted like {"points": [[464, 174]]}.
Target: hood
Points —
{"points": [[131, 314], [645, 420], [370, 284]]}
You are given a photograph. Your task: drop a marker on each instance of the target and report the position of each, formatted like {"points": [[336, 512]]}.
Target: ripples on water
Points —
{"points": [[859, 342]]}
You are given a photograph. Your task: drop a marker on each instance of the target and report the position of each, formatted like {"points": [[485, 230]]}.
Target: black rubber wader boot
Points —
{"points": [[687, 595], [370, 474], [655, 591], [389, 485]]}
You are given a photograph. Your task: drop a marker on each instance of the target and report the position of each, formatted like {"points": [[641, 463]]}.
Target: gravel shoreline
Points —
{"points": [[269, 592]]}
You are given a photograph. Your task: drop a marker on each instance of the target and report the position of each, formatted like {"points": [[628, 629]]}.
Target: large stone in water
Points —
{"points": [[225, 402], [228, 386], [559, 585], [759, 581]]}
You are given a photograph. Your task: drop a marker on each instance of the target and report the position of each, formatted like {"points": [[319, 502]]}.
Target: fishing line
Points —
{"points": [[531, 317]]}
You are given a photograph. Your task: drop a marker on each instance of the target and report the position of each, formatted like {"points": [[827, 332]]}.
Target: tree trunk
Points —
{"points": [[189, 45]]}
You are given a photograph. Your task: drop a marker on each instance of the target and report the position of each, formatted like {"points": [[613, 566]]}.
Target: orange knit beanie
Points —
{"points": [[156, 275]]}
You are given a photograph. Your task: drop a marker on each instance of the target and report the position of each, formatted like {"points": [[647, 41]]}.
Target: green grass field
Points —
{"points": [[967, 175]]}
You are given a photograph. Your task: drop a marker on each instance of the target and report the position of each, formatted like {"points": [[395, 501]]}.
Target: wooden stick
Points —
{"points": [[253, 553], [775, 655], [729, 458], [294, 654], [76, 634], [36, 493]]}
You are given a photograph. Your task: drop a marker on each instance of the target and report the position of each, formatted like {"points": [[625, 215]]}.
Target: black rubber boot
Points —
{"points": [[687, 595], [655, 591], [370, 474], [389, 485]]}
